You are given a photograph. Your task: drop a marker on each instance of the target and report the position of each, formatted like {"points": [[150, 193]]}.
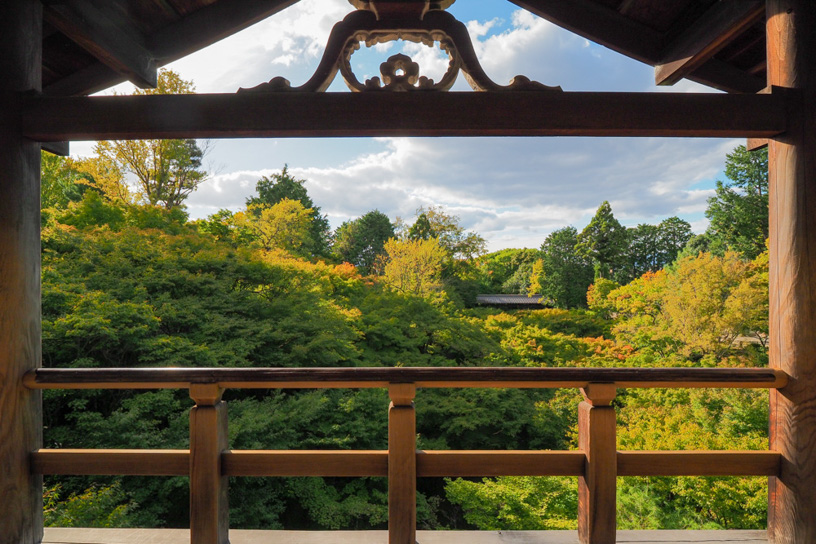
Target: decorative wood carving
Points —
{"points": [[381, 21]]}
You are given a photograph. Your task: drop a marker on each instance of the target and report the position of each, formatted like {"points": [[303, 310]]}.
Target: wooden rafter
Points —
{"points": [[721, 24], [195, 31], [114, 41]]}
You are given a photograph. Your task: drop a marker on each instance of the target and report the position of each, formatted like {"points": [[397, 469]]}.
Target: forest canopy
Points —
{"points": [[132, 282]]}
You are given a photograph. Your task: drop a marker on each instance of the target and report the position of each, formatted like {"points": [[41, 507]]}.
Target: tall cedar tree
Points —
{"points": [[604, 240], [360, 241]]}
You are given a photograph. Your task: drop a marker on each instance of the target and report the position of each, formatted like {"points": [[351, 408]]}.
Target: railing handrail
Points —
{"points": [[423, 377]]}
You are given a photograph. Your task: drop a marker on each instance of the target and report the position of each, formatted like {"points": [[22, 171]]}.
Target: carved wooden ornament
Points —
{"points": [[381, 21]]}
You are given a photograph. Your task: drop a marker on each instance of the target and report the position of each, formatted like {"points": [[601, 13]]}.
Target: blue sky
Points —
{"points": [[513, 191]]}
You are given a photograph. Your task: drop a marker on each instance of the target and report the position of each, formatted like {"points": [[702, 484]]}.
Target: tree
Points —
{"points": [[361, 241], [739, 211], [284, 225], [165, 171], [414, 266], [651, 247], [564, 273], [433, 222], [506, 270], [61, 181], [272, 190], [604, 241]]}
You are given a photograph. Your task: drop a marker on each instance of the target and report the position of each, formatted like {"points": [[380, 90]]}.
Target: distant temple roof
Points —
{"points": [[514, 301]]}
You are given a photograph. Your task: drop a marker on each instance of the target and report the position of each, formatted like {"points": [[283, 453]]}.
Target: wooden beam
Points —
{"points": [[402, 470], [602, 25], [718, 26], [116, 43], [266, 378], [404, 114], [725, 77], [20, 327], [63, 149], [111, 462], [755, 144], [597, 489], [698, 463], [193, 32], [499, 463], [792, 272]]}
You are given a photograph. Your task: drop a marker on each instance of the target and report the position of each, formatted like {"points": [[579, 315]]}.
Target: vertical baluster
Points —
{"points": [[596, 488], [209, 511], [401, 464]]}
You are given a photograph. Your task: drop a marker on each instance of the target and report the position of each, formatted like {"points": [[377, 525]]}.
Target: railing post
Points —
{"points": [[596, 488], [401, 464], [209, 511]]}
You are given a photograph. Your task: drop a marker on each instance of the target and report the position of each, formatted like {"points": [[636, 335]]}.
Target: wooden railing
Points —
{"points": [[597, 463]]}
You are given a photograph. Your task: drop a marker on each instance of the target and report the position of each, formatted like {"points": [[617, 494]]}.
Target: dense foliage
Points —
{"points": [[136, 285]]}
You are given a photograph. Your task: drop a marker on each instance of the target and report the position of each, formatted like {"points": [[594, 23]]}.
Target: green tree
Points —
{"points": [[651, 247], [166, 171], [604, 241], [361, 241], [60, 181], [277, 187], [506, 270], [434, 222], [739, 211], [564, 273]]}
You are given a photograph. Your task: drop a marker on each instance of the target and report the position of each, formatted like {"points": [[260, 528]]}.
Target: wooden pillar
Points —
{"points": [[401, 464], [209, 509], [791, 34], [20, 329], [597, 487]]}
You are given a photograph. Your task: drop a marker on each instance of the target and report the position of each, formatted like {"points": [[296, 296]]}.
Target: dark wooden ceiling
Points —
{"points": [[89, 45]]}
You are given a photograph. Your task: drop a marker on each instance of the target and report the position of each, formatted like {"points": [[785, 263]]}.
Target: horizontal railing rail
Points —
{"points": [[596, 463], [274, 378]]}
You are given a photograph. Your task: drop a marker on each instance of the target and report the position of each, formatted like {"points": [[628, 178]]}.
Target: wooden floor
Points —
{"points": [[182, 536]]}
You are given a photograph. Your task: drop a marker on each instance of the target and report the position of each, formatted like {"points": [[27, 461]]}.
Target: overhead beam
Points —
{"points": [[602, 25], [115, 42], [193, 32], [718, 26], [296, 114], [726, 77], [63, 149]]}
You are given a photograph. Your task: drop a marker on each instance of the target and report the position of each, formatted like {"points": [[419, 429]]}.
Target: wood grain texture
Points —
{"points": [[305, 463], [792, 276], [718, 26], [111, 462], [499, 463], [597, 486], [263, 378], [698, 463], [20, 329], [299, 114], [401, 472], [209, 511]]}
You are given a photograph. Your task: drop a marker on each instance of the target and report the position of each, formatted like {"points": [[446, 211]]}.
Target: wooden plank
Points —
{"points": [[111, 462], [725, 77], [263, 378], [20, 327], [402, 472], [597, 487], [698, 463], [296, 114], [602, 25], [499, 463], [718, 26], [116, 43], [792, 272], [305, 463], [209, 511]]}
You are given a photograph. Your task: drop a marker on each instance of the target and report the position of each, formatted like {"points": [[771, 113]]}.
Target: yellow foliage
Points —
{"points": [[414, 266]]}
